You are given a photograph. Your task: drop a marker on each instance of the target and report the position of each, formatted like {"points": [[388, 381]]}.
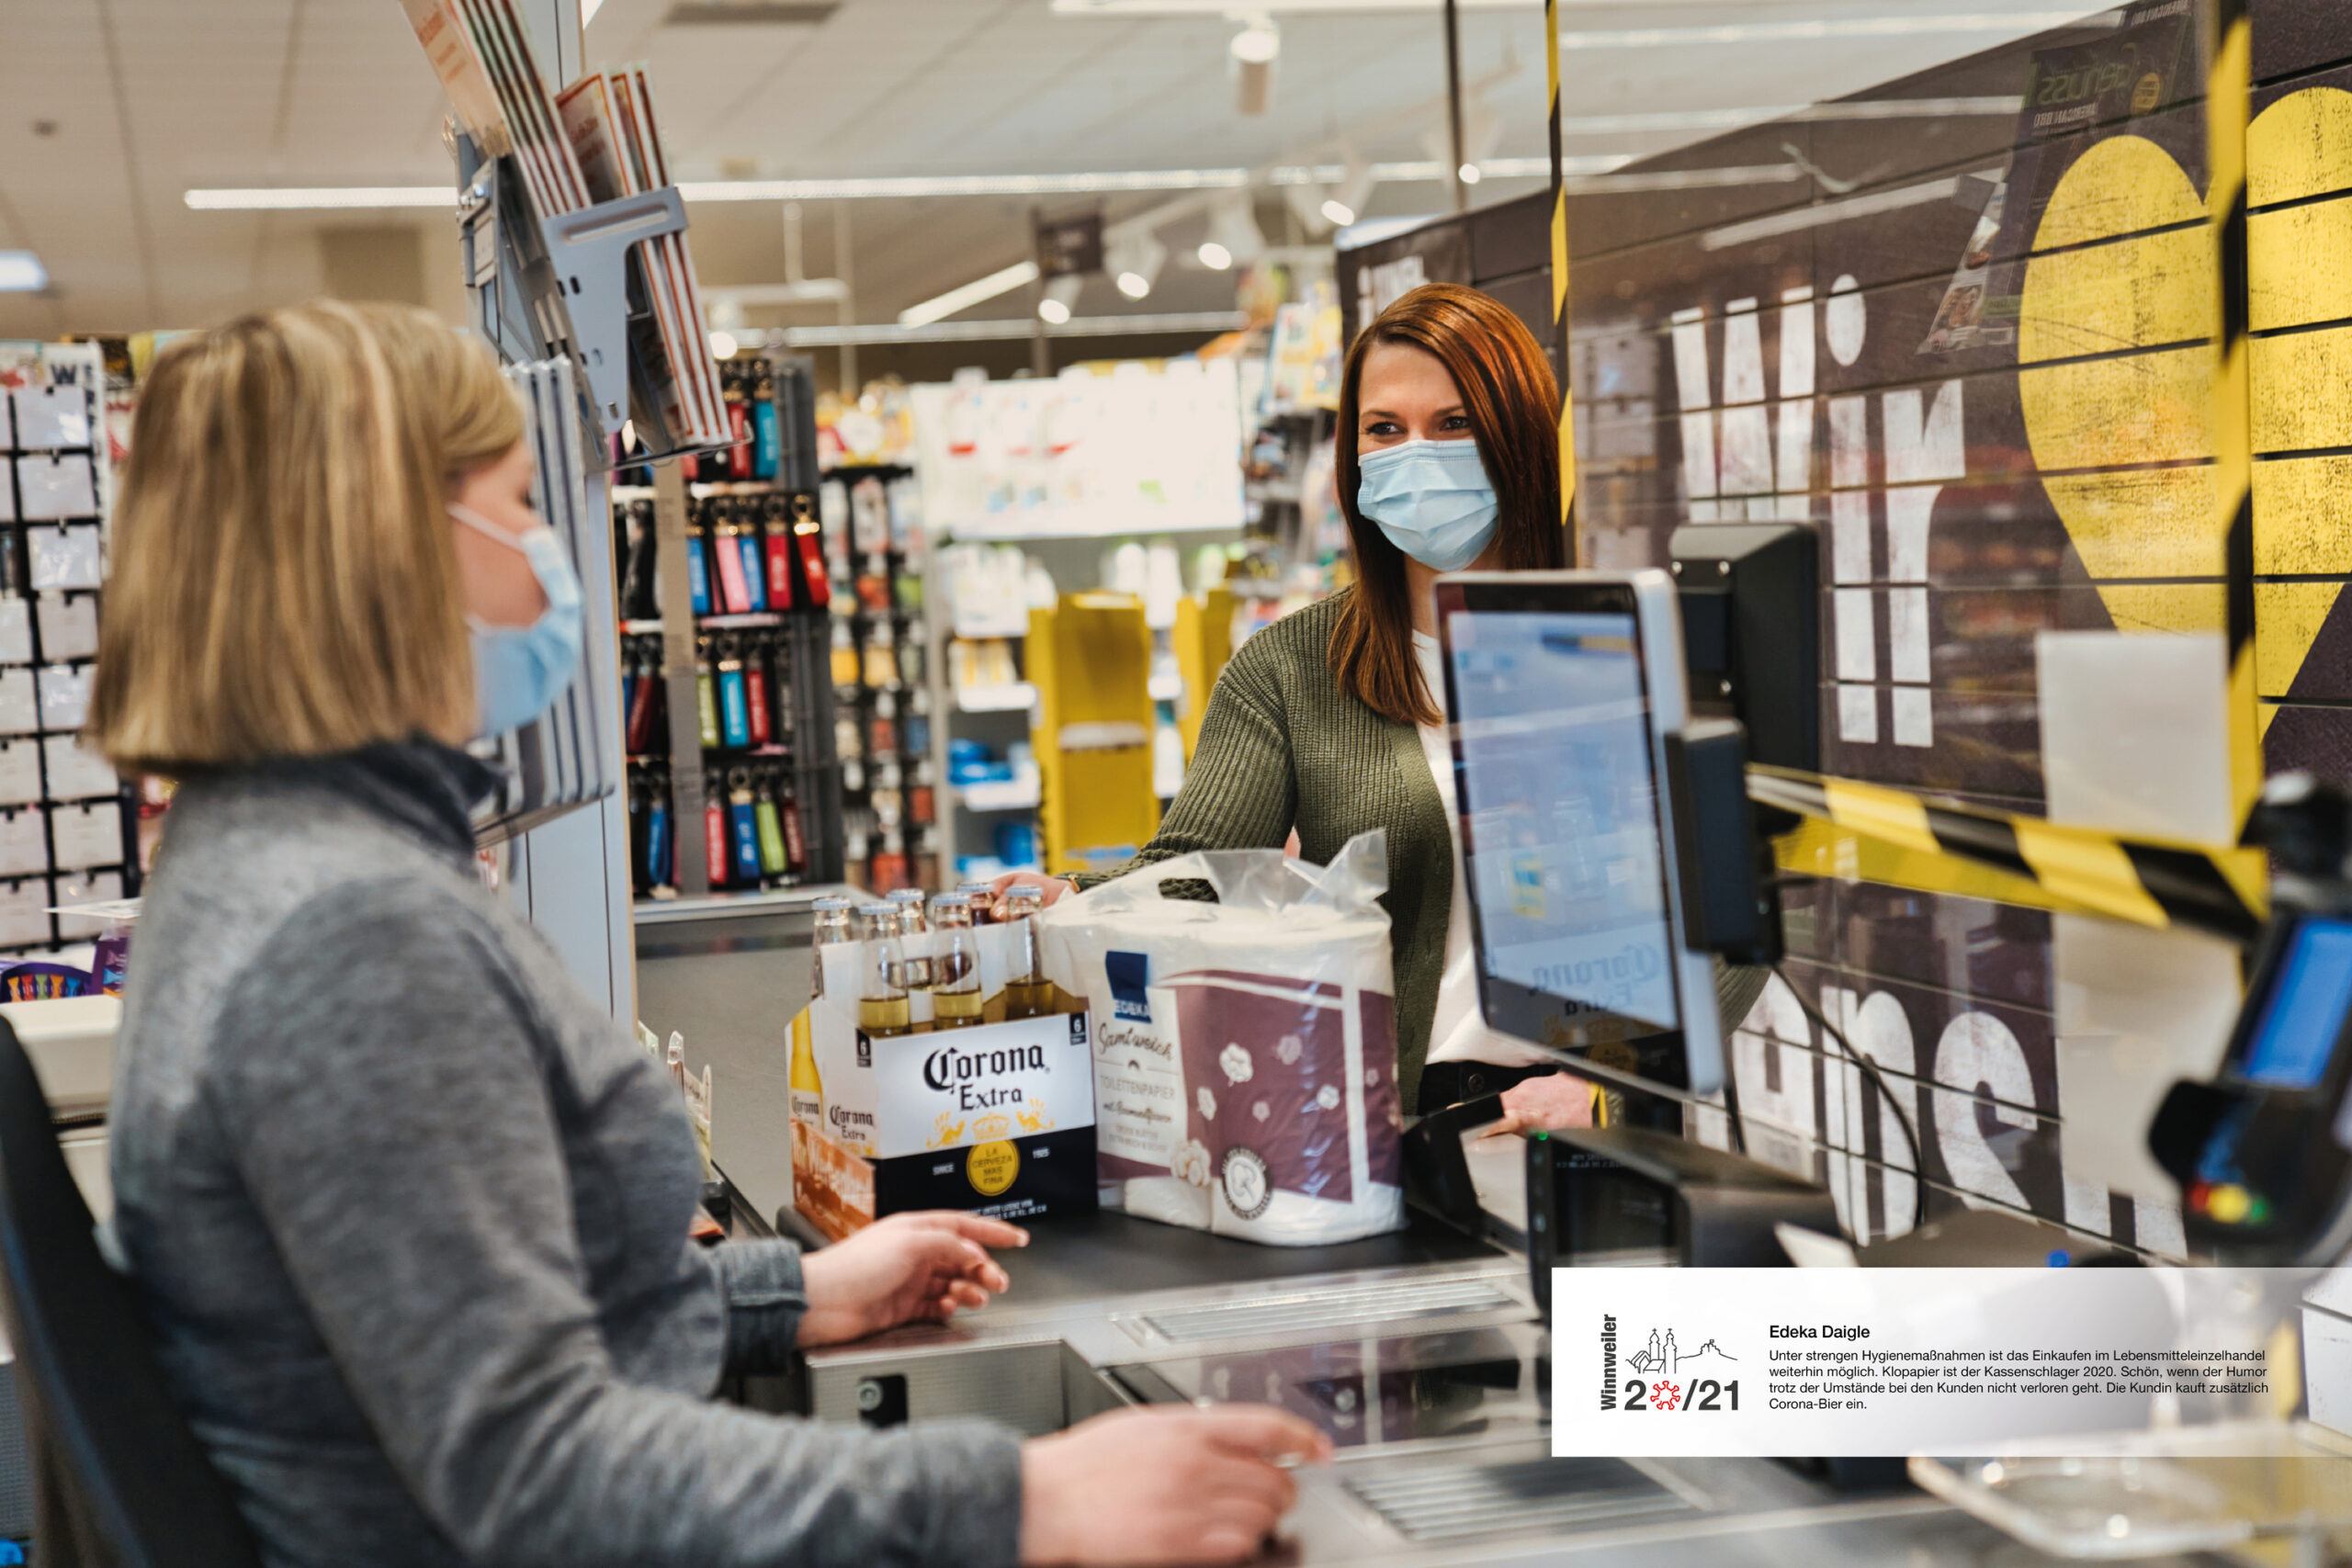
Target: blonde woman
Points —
{"points": [[409, 1211]]}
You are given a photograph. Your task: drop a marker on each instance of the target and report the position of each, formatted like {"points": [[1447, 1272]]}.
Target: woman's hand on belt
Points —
{"points": [[1544, 1105], [1050, 887], [901, 1269], [1161, 1486]]}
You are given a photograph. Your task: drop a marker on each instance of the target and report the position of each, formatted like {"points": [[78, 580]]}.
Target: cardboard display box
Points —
{"points": [[997, 1119]]}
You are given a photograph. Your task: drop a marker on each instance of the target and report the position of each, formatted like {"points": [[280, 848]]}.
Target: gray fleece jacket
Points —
{"points": [[409, 1215]]}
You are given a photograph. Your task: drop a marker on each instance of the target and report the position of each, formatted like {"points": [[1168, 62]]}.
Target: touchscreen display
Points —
{"points": [[2295, 1034], [1561, 843]]}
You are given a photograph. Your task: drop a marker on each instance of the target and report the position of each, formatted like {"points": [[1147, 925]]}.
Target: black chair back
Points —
{"points": [[120, 1476]]}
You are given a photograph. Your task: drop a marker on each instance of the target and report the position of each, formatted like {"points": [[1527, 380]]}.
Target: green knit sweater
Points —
{"points": [[1282, 747]]}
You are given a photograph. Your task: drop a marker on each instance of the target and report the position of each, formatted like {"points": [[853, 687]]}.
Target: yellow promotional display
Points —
{"points": [[1090, 657], [1203, 641]]}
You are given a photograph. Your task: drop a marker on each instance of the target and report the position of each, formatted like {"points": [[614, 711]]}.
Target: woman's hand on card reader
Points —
{"points": [[1165, 1485], [1049, 888], [901, 1269], [1544, 1105]]}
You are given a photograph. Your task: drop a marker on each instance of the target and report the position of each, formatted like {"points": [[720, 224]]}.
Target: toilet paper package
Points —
{"points": [[1245, 1051]]}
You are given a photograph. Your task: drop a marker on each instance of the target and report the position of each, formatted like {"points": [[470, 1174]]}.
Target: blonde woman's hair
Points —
{"points": [[284, 582]]}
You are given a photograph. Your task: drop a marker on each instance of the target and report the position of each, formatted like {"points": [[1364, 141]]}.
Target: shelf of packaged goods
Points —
{"points": [[1018, 794], [1018, 697], [1014, 530]]}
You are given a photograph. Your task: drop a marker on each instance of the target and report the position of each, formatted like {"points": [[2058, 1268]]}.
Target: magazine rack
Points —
{"points": [[566, 287]]}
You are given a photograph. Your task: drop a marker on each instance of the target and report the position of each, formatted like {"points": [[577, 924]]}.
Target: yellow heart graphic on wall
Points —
{"points": [[2115, 358]]}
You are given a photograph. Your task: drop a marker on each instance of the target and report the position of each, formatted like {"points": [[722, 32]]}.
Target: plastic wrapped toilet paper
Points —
{"points": [[1245, 1051]]}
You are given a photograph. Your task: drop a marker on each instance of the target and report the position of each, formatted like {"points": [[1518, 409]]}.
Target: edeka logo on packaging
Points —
{"points": [[1798, 1362], [1138, 1078], [1130, 976]]}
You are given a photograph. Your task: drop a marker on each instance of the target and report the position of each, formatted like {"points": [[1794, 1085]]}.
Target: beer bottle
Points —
{"points": [[882, 1007], [954, 964], [1027, 992]]}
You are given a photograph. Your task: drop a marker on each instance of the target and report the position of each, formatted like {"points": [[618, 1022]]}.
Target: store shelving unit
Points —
{"points": [[882, 658], [68, 825], [1066, 472], [738, 813]]}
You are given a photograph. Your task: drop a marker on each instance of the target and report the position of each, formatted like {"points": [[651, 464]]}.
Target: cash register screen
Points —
{"points": [[1562, 835], [2294, 1035]]}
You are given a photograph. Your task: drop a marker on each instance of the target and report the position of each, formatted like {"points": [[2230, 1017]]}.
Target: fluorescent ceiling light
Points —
{"points": [[1827, 212], [1019, 275], [901, 186], [1817, 29], [21, 273], [294, 199], [1203, 323]]}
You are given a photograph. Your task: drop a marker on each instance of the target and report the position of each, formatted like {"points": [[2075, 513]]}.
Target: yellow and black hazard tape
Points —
{"points": [[2229, 95], [1870, 832], [1560, 282]]}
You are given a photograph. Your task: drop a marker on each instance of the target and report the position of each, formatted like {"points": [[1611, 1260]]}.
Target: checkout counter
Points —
{"points": [[1421, 1352]]}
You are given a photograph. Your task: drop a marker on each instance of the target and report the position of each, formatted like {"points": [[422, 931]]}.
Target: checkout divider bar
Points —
{"points": [[1873, 832]]}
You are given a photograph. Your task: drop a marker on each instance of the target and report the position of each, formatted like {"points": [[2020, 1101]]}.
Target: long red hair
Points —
{"points": [[1512, 401]]}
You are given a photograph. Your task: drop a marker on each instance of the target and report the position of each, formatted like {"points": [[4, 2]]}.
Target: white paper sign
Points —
{"points": [[51, 417], [1805, 1362]]}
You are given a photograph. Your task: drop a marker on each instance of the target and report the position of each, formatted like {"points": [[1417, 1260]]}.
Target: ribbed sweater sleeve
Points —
{"points": [[1240, 792]]}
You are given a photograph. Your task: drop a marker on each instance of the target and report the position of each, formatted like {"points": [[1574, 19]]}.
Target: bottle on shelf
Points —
{"points": [[759, 723], [883, 1010], [1027, 992], [890, 871], [715, 858], [776, 857], [734, 700], [744, 826], [955, 998], [706, 693]]}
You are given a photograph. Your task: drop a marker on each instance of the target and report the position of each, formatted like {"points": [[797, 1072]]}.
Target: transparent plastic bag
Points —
{"points": [[1245, 1056]]}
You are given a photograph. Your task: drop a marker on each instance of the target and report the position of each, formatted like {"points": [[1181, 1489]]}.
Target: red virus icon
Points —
{"points": [[1665, 1395]]}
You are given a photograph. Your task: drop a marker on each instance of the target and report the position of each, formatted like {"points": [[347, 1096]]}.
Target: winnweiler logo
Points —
{"points": [[1656, 1361]]}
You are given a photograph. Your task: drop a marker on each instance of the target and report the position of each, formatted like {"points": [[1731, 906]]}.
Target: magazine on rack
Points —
{"points": [[597, 140]]}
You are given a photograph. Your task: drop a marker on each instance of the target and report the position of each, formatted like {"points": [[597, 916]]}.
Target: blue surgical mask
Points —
{"points": [[520, 670], [1433, 499]]}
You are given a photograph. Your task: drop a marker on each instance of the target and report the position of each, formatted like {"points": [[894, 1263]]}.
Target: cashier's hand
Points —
{"points": [[1049, 887], [1541, 1105], [902, 1268], [1162, 1486]]}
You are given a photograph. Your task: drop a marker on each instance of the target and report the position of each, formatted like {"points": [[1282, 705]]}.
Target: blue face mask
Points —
{"points": [[520, 670], [1433, 499]]}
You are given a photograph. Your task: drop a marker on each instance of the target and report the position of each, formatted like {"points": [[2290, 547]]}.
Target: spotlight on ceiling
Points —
{"points": [[1233, 225], [1470, 176], [1338, 212], [1061, 295], [1254, 49], [1213, 256], [723, 345], [1133, 262]]}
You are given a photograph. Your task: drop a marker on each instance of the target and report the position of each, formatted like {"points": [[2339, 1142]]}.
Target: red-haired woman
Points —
{"points": [[1332, 722]]}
